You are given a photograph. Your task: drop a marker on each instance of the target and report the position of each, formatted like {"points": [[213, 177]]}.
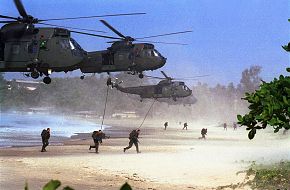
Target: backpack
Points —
{"points": [[43, 133], [133, 134]]}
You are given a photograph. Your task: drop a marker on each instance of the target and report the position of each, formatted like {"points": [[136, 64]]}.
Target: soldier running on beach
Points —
{"points": [[98, 137], [235, 126], [165, 125], [45, 135], [225, 127], [203, 133], [184, 126], [133, 136]]}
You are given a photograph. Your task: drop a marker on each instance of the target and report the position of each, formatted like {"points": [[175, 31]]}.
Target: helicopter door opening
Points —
{"points": [[108, 59], [158, 90], [2, 47]]}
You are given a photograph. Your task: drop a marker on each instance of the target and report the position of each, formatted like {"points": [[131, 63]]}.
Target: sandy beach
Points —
{"points": [[171, 159]]}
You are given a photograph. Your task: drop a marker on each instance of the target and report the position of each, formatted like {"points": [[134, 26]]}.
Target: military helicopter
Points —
{"points": [[41, 51], [123, 55], [165, 89]]}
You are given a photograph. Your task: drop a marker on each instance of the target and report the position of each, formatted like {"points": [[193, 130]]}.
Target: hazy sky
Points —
{"points": [[228, 35]]}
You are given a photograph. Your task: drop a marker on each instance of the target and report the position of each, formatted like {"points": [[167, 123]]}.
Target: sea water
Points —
{"points": [[24, 129]]}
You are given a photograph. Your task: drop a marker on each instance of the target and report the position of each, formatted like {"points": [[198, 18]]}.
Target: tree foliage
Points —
{"points": [[251, 80], [270, 105], [276, 176]]}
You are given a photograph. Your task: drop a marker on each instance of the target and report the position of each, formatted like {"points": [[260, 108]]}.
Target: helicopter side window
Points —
{"points": [[175, 84]]}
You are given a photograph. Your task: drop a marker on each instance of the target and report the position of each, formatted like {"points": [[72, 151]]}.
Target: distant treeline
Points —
{"points": [[72, 95]]}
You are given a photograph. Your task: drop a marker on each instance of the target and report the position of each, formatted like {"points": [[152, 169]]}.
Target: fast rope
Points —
{"points": [[105, 108], [147, 114]]}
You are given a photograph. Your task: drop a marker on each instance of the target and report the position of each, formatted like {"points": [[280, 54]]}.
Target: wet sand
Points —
{"points": [[171, 159]]}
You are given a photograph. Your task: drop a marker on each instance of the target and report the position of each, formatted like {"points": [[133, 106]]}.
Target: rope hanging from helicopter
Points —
{"points": [[147, 114], [105, 107]]}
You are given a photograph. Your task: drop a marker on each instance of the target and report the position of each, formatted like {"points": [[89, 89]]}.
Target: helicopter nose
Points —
{"points": [[189, 92], [163, 61]]}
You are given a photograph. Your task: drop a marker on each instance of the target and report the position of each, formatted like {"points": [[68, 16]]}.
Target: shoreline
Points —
{"points": [[171, 159]]}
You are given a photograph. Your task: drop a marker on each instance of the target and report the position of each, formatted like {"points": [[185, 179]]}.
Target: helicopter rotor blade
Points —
{"points": [[191, 78], [170, 78], [98, 16], [90, 30], [168, 34], [20, 8], [113, 29], [165, 75], [7, 21], [148, 76], [89, 34], [170, 43], [9, 17]]}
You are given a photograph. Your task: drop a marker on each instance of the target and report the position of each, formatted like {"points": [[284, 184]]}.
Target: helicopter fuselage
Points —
{"points": [[163, 89], [132, 57], [42, 49]]}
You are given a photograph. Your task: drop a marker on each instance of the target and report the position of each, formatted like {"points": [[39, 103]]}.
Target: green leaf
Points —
{"points": [[126, 186], [252, 133], [52, 185], [288, 69], [276, 130], [240, 118], [285, 100]]}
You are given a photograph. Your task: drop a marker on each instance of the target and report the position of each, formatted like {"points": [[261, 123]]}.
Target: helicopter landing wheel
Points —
{"points": [[141, 76], [34, 74], [47, 80]]}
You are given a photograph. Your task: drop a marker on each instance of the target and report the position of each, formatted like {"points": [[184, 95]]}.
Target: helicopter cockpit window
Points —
{"points": [[186, 88], [64, 43], [146, 53], [155, 53], [71, 45], [75, 48]]}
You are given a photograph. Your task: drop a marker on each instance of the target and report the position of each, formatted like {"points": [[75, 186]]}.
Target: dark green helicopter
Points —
{"points": [[166, 90], [123, 55], [41, 51]]}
